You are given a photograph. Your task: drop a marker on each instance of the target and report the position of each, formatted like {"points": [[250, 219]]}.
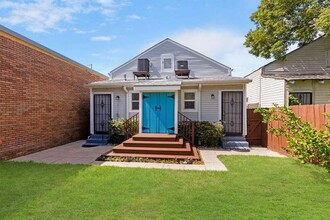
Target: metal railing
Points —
{"points": [[131, 126], [186, 128]]}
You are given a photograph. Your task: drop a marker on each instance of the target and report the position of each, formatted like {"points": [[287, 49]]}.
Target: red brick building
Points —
{"points": [[43, 98]]}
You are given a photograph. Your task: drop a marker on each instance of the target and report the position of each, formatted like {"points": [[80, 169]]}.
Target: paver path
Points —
{"points": [[75, 154], [69, 153]]}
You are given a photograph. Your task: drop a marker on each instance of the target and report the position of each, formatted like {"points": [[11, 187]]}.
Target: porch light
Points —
{"points": [[321, 81], [117, 97], [212, 96]]}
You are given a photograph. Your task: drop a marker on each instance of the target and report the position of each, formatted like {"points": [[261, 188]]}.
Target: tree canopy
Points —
{"points": [[281, 23]]}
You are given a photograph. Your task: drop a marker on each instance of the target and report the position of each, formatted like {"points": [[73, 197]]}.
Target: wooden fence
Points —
{"points": [[312, 113]]}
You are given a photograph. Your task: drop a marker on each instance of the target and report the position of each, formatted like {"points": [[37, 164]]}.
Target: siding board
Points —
{"points": [[199, 66]]}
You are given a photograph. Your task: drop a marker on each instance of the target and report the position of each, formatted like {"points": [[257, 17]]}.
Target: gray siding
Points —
{"points": [[308, 60], [209, 106], [199, 66]]}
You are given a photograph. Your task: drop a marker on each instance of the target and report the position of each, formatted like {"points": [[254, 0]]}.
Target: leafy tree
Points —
{"points": [[281, 23]]}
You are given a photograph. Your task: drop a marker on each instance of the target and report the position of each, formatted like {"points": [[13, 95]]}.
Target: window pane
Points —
{"points": [[135, 96], [304, 98], [135, 105], [167, 63], [189, 105], [189, 96]]}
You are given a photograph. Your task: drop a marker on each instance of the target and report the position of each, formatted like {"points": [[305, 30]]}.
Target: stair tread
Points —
{"points": [[143, 135], [194, 155], [170, 149], [148, 143]]}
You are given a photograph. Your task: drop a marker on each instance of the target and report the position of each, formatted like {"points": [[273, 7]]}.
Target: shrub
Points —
{"points": [[305, 142], [116, 130], [208, 133]]}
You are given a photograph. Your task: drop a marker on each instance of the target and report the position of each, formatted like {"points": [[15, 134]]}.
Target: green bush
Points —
{"points": [[116, 130], [304, 141], [208, 134]]}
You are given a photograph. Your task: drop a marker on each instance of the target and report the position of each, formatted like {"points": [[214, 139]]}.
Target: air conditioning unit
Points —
{"points": [[182, 65], [143, 65]]}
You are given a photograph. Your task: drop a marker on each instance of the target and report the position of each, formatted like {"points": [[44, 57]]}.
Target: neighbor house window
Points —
{"points": [[167, 63], [328, 58], [304, 98], [135, 101], [189, 101]]}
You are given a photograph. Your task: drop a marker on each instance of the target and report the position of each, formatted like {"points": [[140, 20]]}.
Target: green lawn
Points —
{"points": [[253, 188]]}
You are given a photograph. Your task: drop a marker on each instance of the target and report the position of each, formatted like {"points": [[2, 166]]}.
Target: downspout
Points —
{"points": [[126, 91], [199, 101]]}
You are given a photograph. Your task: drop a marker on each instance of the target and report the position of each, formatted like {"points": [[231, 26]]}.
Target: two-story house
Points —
{"points": [[165, 82]]}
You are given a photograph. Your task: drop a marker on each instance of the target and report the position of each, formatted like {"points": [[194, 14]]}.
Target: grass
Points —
{"points": [[254, 188]]}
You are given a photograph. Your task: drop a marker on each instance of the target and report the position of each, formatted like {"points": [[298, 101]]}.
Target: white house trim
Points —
{"points": [[199, 101], [244, 131], [92, 107], [151, 88], [130, 101], [167, 56], [196, 91]]}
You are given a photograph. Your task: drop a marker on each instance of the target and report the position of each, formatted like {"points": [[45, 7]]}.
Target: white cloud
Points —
{"points": [[133, 17], [103, 38], [225, 46], [44, 15], [78, 31]]}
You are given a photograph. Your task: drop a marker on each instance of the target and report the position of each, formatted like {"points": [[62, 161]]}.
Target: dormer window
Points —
{"points": [[167, 63]]}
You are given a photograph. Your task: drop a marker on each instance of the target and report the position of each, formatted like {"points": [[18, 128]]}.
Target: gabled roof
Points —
{"points": [[177, 44], [291, 75]]}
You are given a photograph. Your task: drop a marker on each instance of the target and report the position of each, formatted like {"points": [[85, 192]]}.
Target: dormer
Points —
{"points": [[142, 68], [182, 69]]}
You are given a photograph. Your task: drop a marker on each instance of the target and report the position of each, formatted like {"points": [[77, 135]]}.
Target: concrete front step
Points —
{"points": [[153, 150], [233, 138], [237, 145], [161, 144], [193, 156], [96, 140], [155, 137]]}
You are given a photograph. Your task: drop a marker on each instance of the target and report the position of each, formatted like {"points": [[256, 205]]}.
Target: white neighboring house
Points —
{"points": [[165, 80], [304, 73]]}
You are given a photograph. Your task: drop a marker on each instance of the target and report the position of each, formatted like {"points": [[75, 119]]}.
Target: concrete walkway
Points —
{"points": [[73, 153]]}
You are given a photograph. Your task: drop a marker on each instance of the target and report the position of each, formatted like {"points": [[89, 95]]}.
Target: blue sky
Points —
{"points": [[107, 33]]}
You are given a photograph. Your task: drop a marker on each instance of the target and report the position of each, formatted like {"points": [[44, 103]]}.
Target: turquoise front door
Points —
{"points": [[158, 112]]}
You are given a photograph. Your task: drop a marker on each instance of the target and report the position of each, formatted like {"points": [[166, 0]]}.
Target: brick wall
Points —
{"points": [[43, 100]]}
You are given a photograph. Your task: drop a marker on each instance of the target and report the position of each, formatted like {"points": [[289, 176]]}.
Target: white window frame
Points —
{"points": [[167, 56], [131, 100], [327, 57], [183, 100]]}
